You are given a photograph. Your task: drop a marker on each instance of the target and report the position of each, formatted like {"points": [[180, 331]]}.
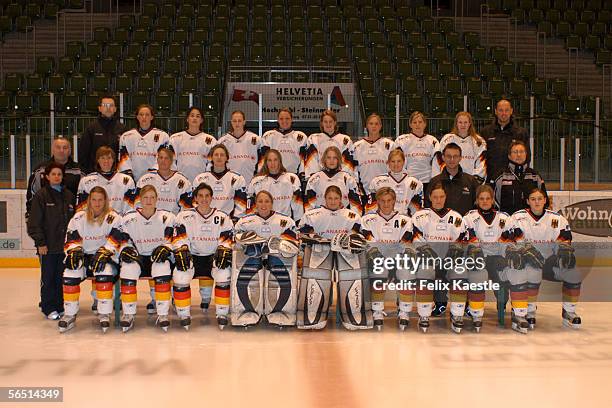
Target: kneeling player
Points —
{"points": [[335, 244], [87, 231], [389, 233], [264, 267], [202, 234]]}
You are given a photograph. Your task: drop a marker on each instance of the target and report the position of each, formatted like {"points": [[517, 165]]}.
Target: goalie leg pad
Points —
{"points": [[315, 294], [353, 293], [246, 290], [280, 290], [162, 294]]}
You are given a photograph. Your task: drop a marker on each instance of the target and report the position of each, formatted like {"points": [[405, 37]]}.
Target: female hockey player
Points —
{"points": [[283, 186], [289, 142], [229, 187], [473, 147], [332, 233], [202, 234], [89, 230], [264, 267], [244, 147], [408, 190], [192, 146], [332, 174], [371, 152], [138, 147]]}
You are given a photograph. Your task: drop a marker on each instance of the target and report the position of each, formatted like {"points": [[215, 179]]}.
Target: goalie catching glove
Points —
{"points": [[129, 255], [567, 258], [100, 259], [223, 257], [74, 258], [348, 243], [286, 248], [182, 256]]}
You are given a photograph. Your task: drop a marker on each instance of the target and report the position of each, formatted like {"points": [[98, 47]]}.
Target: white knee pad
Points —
{"points": [[221, 275], [75, 273], [160, 269], [183, 278], [130, 271], [534, 275]]}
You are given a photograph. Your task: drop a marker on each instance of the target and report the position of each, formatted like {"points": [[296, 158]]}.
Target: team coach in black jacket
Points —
{"points": [[51, 210]]}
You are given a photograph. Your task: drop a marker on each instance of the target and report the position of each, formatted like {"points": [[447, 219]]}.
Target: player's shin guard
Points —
{"points": [[280, 291], [152, 289], [104, 289], [519, 299], [424, 298], [571, 293], [222, 279], [72, 290], [181, 281], [354, 292], [458, 297], [532, 296], [128, 296], [162, 295], [246, 290], [206, 287], [378, 294], [315, 292], [476, 301]]}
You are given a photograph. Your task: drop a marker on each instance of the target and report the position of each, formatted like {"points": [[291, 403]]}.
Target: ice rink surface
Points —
{"points": [[264, 367]]}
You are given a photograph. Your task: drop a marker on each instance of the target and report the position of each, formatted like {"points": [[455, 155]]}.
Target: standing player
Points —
{"points": [[419, 148], [473, 147], [119, 187], [389, 233], [192, 146], [283, 186], [138, 147], [229, 187], [329, 136], [332, 175], [202, 234], [371, 152], [87, 231], [408, 190], [173, 188], [289, 142], [244, 147], [264, 267], [335, 244]]}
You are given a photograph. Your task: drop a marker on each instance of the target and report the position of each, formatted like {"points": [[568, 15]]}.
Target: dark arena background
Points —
{"points": [[550, 61]]}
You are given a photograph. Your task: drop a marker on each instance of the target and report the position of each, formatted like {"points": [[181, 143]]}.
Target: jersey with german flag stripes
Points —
{"points": [[191, 152], [389, 233], [91, 235], [275, 225], [489, 228], [371, 158], [291, 144], [144, 234], [318, 142], [286, 192], [229, 191], [328, 223], [245, 152], [545, 231], [408, 192], [321, 180], [173, 193], [473, 152], [119, 188], [420, 153], [203, 233], [138, 151]]}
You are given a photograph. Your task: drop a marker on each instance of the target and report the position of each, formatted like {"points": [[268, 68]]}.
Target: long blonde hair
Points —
{"points": [[471, 130], [324, 157], [105, 210], [265, 171]]}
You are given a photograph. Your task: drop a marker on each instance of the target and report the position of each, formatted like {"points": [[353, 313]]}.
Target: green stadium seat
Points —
{"points": [[439, 104], [34, 83], [488, 69], [23, 24], [445, 69], [479, 54], [471, 39], [517, 87], [50, 11], [563, 29], [74, 49], [124, 83], [164, 103], [87, 65], [535, 16], [130, 65], [473, 85], [93, 49], [454, 85], [78, 83], [415, 103], [70, 103], [114, 50], [122, 35], [507, 70], [91, 102], [573, 41], [497, 87], [571, 106], [571, 16], [483, 105], [466, 69], [101, 34], [56, 83], [101, 83], [167, 83], [603, 57], [592, 42], [13, 82], [24, 102], [126, 21], [550, 105], [189, 83], [146, 83], [431, 85], [539, 87], [6, 102], [45, 65]]}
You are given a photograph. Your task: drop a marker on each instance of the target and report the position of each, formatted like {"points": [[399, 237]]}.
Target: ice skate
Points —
{"points": [[151, 309], [186, 322], [104, 322], [404, 319], [520, 324], [94, 307], [424, 323], [477, 323], [66, 323], [571, 319], [379, 319], [204, 306], [163, 322], [531, 320], [456, 323], [127, 322]]}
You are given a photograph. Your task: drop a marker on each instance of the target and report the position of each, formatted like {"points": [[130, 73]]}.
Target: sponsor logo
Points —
{"points": [[593, 217]]}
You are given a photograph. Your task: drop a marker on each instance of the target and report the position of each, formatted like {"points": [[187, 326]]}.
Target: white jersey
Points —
{"points": [[390, 233], [229, 191], [420, 153], [328, 223], [119, 187], [191, 152], [203, 233], [321, 180], [431, 226], [319, 142], [292, 146], [408, 193], [245, 153], [490, 229], [275, 225], [371, 158], [144, 234], [286, 192], [138, 152], [544, 232], [173, 194], [473, 154], [91, 236]]}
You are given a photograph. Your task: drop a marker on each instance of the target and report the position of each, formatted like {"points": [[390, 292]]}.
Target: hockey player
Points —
{"points": [[283, 186], [408, 190], [329, 136], [544, 238], [245, 147], [420, 149], [439, 225], [488, 234], [192, 146], [289, 142], [173, 188], [389, 233], [202, 234], [371, 152], [229, 187], [334, 245], [88, 230], [332, 175], [144, 250], [264, 267], [138, 147], [119, 187]]}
